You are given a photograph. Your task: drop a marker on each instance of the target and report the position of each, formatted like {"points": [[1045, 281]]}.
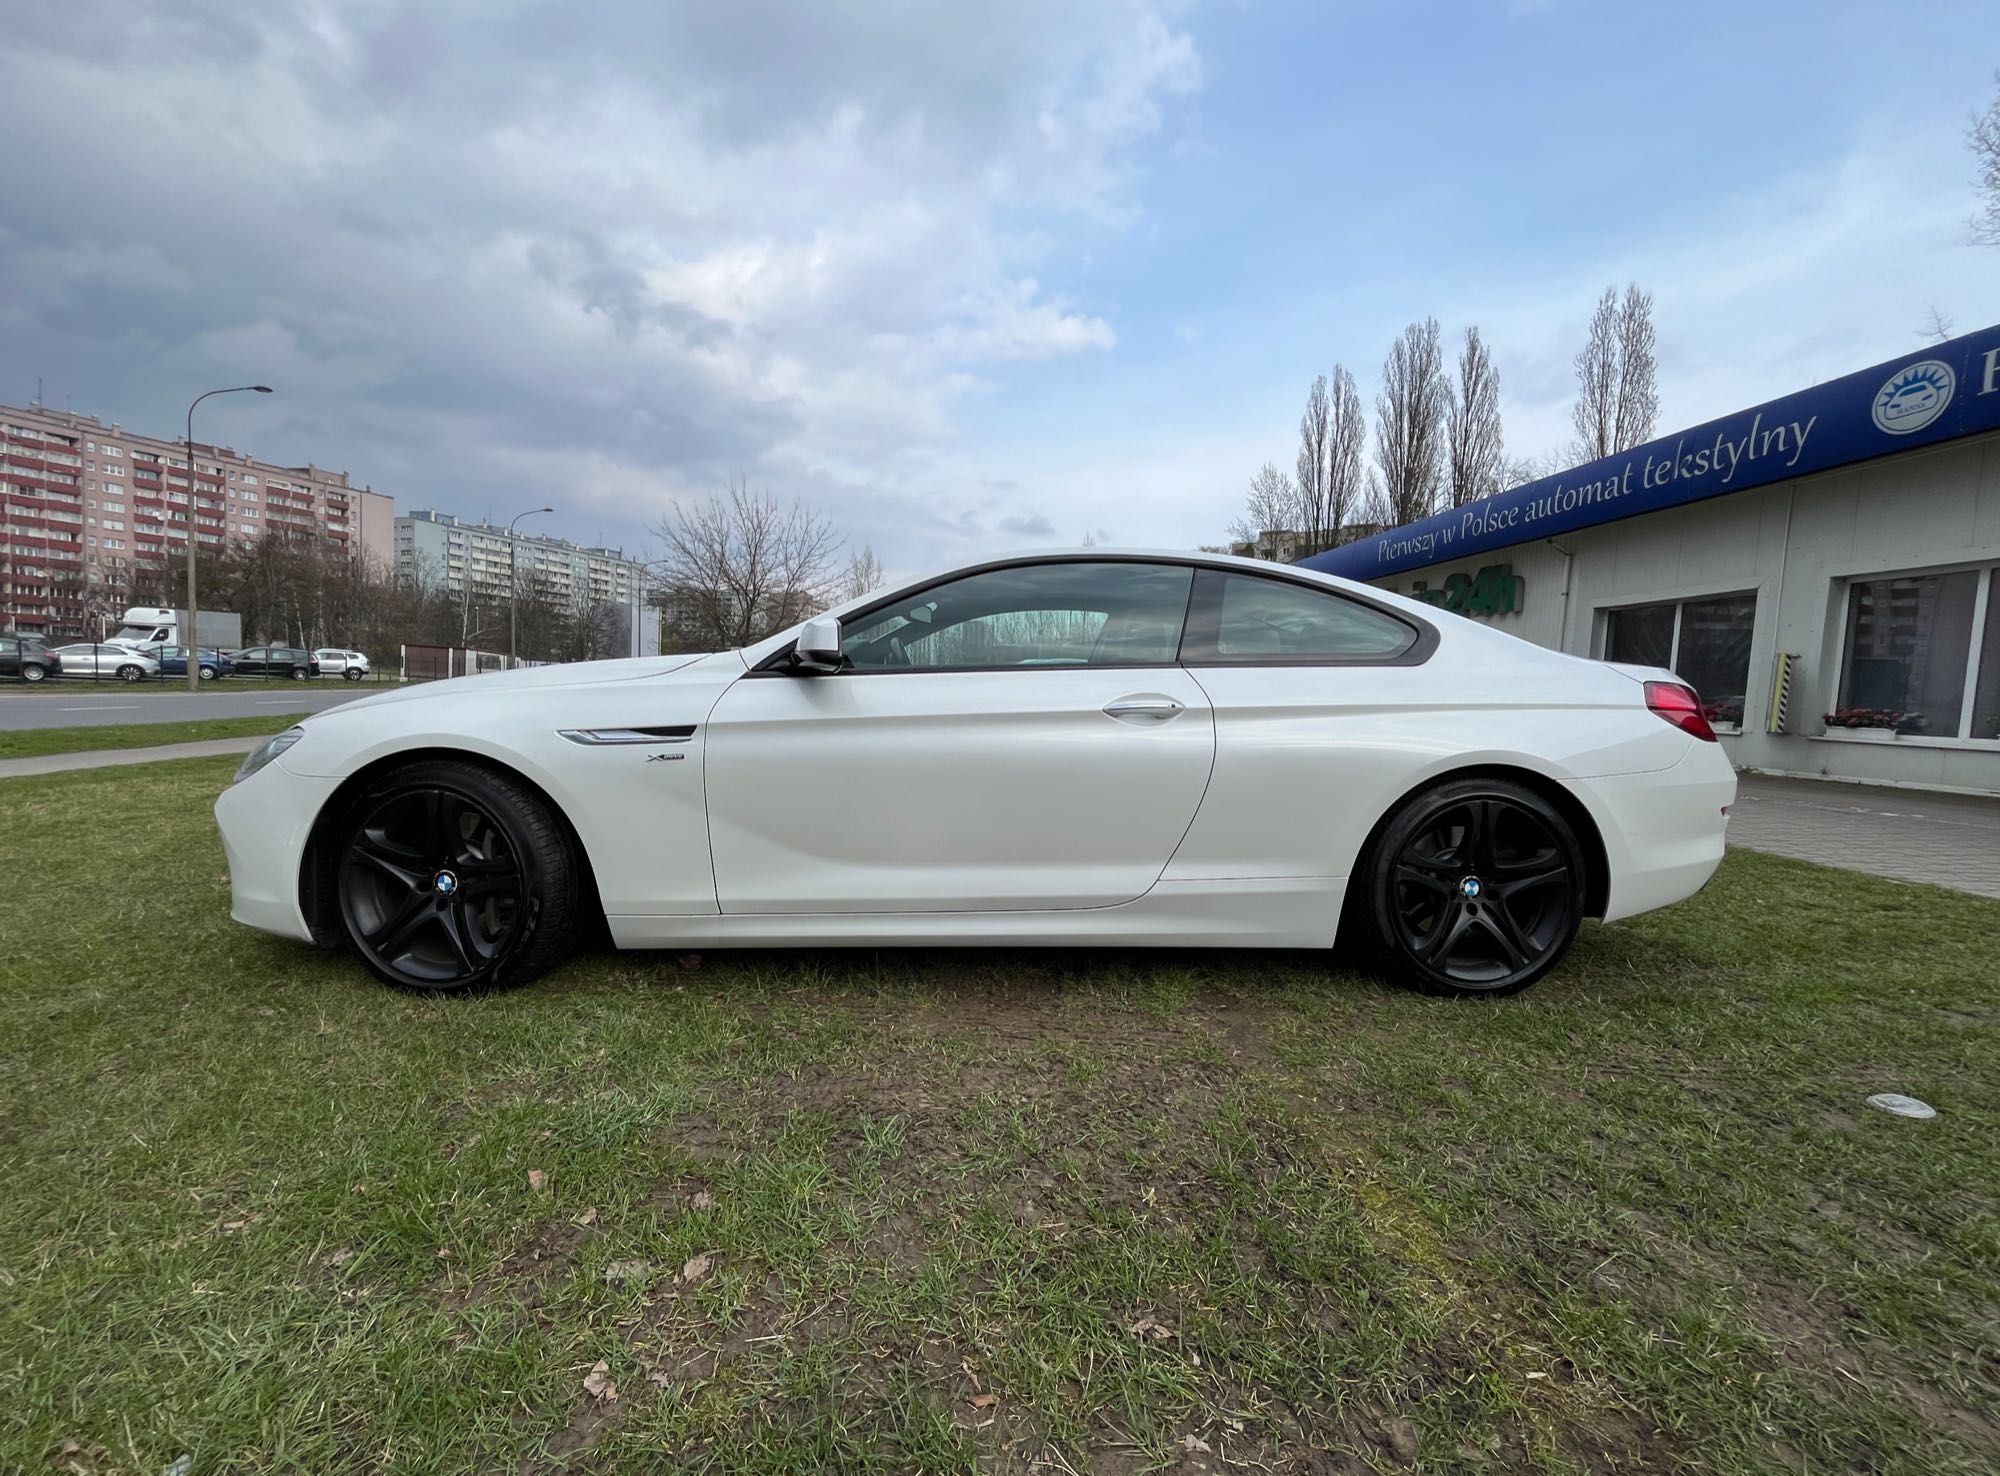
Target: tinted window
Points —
{"points": [[1642, 635], [1244, 619], [1080, 614]]}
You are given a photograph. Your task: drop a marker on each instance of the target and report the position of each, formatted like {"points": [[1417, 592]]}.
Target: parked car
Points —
{"points": [[352, 665], [275, 661], [214, 663], [98, 661], [1082, 748], [26, 659]]}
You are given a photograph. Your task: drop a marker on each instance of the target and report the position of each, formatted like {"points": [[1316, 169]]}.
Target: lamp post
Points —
{"points": [[513, 582], [190, 641]]}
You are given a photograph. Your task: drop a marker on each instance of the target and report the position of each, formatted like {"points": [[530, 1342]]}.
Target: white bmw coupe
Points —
{"points": [[1073, 748]]}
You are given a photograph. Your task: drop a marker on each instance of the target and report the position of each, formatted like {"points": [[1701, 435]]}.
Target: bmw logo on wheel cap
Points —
{"points": [[445, 883], [1469, 888]]}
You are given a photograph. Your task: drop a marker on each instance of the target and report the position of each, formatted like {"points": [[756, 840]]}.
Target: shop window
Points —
{"points": [[1707, 642], [1908, 642], [1986, 701]]}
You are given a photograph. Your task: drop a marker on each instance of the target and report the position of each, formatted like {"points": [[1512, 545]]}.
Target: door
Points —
{"points": [[1017, 739], [10, 657]]}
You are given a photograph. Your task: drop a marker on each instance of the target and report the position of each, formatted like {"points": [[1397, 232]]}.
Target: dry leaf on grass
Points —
{"points": [[598, 1383], [697, 1267], [1194, 1445], [339, 1257], [587, 1218], [1147, 1327], [659, 1378], [702, 1199], [536, 1179], [984, 1401], [631, 1271]]}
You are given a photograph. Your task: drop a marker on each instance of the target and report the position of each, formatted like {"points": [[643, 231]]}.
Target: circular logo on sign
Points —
{"points": [[1914, 396]]}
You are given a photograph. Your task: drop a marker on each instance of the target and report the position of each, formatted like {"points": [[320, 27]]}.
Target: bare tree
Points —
{"points": [[1409, 423], [864, 574], [1346, 449], [1273, 505], [1936, 328], [740, 567], [1315, 427], [1523, 469], [1984, 138], [1617, 397], [1472, 425]]}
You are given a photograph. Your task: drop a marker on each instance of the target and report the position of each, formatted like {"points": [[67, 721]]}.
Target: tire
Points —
{"points": [[207, 674], [33, 673], [298, 673], [450, 877], [353, 673], [131, 673], [1475, 887]]}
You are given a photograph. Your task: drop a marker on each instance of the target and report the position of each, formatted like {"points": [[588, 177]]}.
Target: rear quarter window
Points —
{"points": [[1244, 619]]}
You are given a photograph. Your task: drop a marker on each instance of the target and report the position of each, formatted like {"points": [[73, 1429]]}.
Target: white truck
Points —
{"points": [[155, 625]]}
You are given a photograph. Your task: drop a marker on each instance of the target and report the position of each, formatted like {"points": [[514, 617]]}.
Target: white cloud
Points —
{"points": [[593, 255]]}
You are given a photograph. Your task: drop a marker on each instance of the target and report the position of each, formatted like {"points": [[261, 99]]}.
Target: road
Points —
{"points": [[84, 708]]}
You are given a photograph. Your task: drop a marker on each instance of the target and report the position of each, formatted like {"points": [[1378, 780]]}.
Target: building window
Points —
{"points": [[1909, 652], [1707, 642]]}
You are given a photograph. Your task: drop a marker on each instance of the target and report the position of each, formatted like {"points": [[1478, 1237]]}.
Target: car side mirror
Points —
{"points": [[818, 646]]}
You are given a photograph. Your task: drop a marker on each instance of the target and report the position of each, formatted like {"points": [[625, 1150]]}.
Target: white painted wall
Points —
{"points": [[1795, 545]]}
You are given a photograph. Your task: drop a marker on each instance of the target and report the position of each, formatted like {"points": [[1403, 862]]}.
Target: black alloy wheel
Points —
{"points": [[1478, 887], [452, 876]]}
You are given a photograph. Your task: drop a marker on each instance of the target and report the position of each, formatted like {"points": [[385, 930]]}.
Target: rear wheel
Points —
{"points": [[33, 673], [353, 673], [298, 673], [1475, 887], [131, 673], [450, 876], [207, 673]]}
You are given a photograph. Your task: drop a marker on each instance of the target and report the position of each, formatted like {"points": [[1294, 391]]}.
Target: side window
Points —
{"points": [[1246, 620], [1032, 615]]}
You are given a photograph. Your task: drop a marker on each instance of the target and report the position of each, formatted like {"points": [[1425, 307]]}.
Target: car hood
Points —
{"points": [[563, 674]]}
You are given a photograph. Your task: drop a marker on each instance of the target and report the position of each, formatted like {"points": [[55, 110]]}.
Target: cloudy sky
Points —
{"points": [[965, 276]]}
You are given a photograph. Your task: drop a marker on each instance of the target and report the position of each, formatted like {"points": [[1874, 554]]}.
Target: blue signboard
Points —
{"points": [[1938, 394]]}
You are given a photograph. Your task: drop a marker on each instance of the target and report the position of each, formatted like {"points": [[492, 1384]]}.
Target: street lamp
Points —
{"points": [[514, 582], [189, 640]]}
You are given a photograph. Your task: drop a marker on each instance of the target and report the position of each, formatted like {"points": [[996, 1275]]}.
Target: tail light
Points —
{"points": [[1679, 706]]}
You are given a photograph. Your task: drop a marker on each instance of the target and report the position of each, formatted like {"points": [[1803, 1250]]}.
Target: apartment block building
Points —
{"points": [[438, 546], [94, 517]]}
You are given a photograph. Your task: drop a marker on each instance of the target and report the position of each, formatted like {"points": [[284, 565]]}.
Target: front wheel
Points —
{"points": [[451, 877], [131, 673], [207, 673], [353, 673], [1475, 887]]}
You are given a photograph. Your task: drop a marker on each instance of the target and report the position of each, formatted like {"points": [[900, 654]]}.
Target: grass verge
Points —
{"points": [[36, 742], [1015, 1211]]}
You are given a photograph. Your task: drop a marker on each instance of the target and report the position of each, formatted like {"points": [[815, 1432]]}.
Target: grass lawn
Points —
{"points": [[1029, 1212], [34, 742]]}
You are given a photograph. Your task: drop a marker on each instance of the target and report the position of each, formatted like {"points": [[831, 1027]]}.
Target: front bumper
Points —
{"points": [[265, 822]]}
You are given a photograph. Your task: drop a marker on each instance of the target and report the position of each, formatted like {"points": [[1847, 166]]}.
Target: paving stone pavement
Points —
{"points": [[1949, 840]]}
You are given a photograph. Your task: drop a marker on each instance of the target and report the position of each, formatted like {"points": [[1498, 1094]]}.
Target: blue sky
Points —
{"points": [[965, 277]]}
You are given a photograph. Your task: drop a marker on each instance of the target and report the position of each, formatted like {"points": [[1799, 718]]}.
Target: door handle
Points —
{"points": [[1150, 709]]}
